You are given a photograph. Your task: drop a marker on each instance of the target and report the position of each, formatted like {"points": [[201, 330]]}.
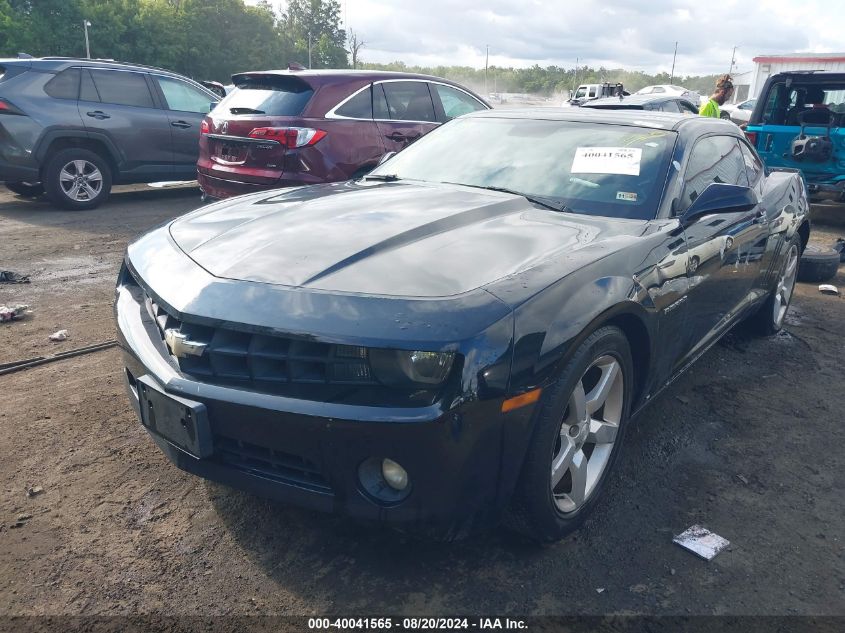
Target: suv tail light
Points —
{"points": [[752, 138], [290, 137], [8, 108], [204, 127]]}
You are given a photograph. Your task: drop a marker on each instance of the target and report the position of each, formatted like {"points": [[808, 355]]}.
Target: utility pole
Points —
{"points": [[85, 25], [486, 64], [733, 60], [575, 77], [309, 50], [672, 77]]}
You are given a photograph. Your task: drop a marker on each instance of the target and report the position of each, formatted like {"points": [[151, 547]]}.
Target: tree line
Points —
{"points": [[212, 39]]}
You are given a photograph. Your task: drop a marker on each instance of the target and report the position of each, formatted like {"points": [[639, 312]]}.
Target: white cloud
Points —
{"points": [[633, 34]]}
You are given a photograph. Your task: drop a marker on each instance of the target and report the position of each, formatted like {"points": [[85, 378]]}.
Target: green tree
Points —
{"points": [[316, 22]]}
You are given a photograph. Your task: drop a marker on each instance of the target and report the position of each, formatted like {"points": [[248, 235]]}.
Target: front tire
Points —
{"points": [[26, 189], [77, 179], [578, 432]]}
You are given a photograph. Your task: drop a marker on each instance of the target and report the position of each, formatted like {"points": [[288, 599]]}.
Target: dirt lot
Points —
{"points": [[749, 443]]}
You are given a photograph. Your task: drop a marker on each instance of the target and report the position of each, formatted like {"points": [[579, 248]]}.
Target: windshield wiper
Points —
{"points": [[383, 177], [549, 203], [246, 111]]}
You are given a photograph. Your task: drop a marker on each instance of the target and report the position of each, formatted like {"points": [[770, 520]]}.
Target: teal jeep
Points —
{"points": [[798, 123]]}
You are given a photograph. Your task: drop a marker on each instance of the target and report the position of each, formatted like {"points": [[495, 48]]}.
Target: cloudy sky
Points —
{"points": [[634, 34]]}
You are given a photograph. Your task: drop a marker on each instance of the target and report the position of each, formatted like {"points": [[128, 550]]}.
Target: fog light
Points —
{"points": [[395, 476]]}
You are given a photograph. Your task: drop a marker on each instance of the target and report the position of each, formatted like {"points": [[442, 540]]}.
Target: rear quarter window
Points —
{"points": [[276, 96], [358, 107], [64, 85]]}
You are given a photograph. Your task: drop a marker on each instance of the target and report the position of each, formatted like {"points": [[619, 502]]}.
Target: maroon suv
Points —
{"points": [[287, 127]]}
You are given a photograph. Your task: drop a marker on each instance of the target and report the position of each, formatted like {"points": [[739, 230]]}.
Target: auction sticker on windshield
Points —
{"points": [[624, 161]]}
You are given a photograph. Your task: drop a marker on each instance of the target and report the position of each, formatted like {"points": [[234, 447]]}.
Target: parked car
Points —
{"points": [[465, 332], [799, 123], [588, 92], [739, 113], [73, 127], [659, 103], [671, 90], [296, 127]]}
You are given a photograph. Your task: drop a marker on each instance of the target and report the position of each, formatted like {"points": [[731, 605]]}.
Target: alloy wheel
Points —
{"points": [[80, 180], [587, 433], [786, 284]]}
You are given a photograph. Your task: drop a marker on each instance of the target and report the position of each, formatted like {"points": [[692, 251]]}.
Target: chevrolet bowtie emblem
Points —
{"points": [[181, 346]]}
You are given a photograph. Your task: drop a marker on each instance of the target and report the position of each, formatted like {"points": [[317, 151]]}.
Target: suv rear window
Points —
{"points": [[817, 102], [65, 85], [267, 94]]}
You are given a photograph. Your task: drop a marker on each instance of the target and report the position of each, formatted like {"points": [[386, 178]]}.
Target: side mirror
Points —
{"points": [[720, 197], [385, 157]]}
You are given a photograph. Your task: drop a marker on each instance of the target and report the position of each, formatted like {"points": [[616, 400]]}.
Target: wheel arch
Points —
{"points": [[57, 141], [539, 358], [804, 233]]}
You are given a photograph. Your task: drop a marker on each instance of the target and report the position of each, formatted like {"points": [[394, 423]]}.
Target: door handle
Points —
{"points": [[181, 124], [396, 136], [98, 114]]}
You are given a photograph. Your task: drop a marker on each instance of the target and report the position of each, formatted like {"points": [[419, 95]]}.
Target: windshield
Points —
{"points": [[581, 92], [591, 168]]}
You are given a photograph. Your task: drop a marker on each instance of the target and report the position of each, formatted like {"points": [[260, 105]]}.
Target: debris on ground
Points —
{"points": [[599, 589], [743, 479], [701, 541], [34, 491], [61, 335], [21, 520], [828, 289], [10, 313], [11, 277]]}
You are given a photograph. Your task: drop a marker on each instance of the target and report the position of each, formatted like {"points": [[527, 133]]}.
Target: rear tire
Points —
{"points": [[25, 189], [77, 179], [578, 431], [768, 320], [818, 264]]}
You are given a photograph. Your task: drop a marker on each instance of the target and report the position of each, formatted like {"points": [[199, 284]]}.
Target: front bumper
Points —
{"points": [[461, 461]]}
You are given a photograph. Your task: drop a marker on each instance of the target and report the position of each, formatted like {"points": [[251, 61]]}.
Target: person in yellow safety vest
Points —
{"points": [[723, 92]]}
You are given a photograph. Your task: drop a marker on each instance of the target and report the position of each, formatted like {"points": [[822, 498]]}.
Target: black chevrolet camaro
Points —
{"points": [[464, 334]]}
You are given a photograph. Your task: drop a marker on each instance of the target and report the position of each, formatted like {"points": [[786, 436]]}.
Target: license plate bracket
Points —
{"points": [[182, 422]]}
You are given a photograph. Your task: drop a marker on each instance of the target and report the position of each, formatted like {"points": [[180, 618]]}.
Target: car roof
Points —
{"points": [[634, 99], [60, 63], [638, 118], [340, 73]]}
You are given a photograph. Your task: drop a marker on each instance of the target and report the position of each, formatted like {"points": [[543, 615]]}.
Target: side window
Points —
{"points": [[753, 166], [687, 108], [713, 159], [409, 101], [64, 85], [87, 91], [181, 96], [122, 88], [456, 102], [358, 107], [593, 92], [380, 110], [670, 106]]}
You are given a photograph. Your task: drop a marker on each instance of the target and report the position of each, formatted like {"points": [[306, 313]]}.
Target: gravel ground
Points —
{"points": [[748, 443]]}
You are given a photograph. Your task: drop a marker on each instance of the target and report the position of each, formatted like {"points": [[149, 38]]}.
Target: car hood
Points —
{"points": [[405, 239]]}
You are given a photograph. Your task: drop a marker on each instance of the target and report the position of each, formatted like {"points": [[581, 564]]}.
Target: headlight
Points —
{"points": [[409, 369]]}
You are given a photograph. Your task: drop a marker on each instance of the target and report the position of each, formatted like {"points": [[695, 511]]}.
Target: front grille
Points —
{"points": [[268, 361], [269, 463]]}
